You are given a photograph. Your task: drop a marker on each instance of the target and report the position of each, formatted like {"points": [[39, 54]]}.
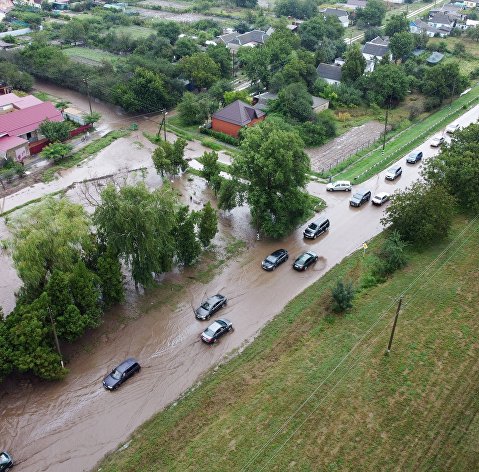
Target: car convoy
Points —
{"points": [[221, 326]]}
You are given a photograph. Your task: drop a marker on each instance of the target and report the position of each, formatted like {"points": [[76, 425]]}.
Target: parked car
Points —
{"points": [[215, 330], [360, 197], [120, 374], [393, 173], [414, 157], [211, 306], [5, 461], [340, 185], [316, 228], [303, 261], [437, 141], [380, 198], [451, 129], [275, 259]]}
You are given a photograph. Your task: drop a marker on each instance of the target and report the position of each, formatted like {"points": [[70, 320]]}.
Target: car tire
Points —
{"points": [[348, 190], [315, 236], [207, 317], [230, 329], [316, 259], [224, 303]]}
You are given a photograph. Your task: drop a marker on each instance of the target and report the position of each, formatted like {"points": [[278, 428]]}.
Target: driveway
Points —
{"points": [[70, 425]]}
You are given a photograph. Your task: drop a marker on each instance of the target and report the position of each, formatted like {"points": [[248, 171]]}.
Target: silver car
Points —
{"points": [[340, 185]]}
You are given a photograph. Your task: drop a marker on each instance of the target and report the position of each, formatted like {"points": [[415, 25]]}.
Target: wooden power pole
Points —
{"points": [[394, 326]]}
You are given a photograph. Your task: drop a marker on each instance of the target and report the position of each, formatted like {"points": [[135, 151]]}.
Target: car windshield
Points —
{"points": [[271, 259], [313, 226], [116, 374], [413, 154], [4, 459], [358, 196], [303, 258]]}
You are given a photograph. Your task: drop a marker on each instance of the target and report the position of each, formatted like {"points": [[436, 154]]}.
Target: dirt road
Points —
{"points": [[70, 425]]}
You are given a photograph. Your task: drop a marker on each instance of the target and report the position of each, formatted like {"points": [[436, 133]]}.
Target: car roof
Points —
{"points": [[381, 194], [320, 220], [278, 252], [311, 253], [415, 153], [214, 297], [361, 191], [394, 168], [347, 182], [126, 364]]}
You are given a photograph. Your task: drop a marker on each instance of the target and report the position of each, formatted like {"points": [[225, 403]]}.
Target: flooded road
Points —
{"points": [[72, 424]]}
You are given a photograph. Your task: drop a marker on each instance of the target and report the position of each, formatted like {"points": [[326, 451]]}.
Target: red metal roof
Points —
{"points": [[26, 102], [24, 121], [10, 142]]}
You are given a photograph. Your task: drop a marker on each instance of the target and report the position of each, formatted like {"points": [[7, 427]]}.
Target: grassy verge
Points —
{"points": [[415, 409], [367, 163], [82, 154]]}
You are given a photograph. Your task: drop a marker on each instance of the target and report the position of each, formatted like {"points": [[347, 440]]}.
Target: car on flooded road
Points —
{"points": [[210, 306], [306, 259], [437, 141], [339, 186], [360, 197], [120, 374], [316, 228], [393, 173], [6, 461], [414, 157], [380, 198], [275, 259], [215, 330]]}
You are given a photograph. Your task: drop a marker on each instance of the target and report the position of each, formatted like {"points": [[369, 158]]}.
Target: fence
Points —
{"points": [[38, 146]]}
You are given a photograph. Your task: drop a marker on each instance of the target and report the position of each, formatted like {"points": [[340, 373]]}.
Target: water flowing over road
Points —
{"points": [[70, 425]]}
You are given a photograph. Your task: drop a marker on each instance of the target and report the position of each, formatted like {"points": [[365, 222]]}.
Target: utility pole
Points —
{"points": [[394, 326], [57, 343], [162, 123], [85, 81], [233, 62]]}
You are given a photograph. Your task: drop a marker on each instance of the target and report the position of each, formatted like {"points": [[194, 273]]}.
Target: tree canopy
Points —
{"points": [[396, 24], [354, 64], [372, 14], [201, 69], [274, 164]]}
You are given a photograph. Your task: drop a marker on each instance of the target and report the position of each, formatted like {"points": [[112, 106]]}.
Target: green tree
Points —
{"points": [[74, 31], [56, 151], [222, 57], [402, 45], [144, 91], [230, 97], [246, 3], [371, 33], [168, 29], [255, 63], [138, 226], [55, 130], [392, 255], [211, 170], [195, 109], [294, 102], [208, 225], [274, 164], [185, 47], [354, 65], [372, 14], [459, 49], [317, 30], [92, 118], [473, 33], [343, 296], [169, 158], [229, 197], [188, 247], [396, 24], [443, 81], [48, 236], [421, 214], [456, 168], [387, 83], [17, 79], [296, 8], [108, 269], [201, 69]]}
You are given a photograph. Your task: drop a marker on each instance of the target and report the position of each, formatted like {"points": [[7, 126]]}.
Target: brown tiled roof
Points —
{"points": [[238, 113]]}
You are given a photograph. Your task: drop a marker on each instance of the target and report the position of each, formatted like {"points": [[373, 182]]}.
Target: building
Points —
{"points": [[471, 3], [23, 124], [232, 118], [440, 20], [11, 102], [235, 40], [341, 15], [373, 51], [330, 73], [260, 102]]}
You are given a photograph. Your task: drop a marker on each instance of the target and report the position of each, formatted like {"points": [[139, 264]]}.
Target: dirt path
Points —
{"points": [[340, 148]]}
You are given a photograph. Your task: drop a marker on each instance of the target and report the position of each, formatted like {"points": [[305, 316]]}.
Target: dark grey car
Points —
{"points": [[359, 198], [275, 259], [414, 157], [303, 261], [123, 372], [211, 306], [316, 228], [215, 330]]}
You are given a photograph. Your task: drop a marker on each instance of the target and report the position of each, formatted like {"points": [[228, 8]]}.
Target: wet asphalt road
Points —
{"points": [[72, 424]]}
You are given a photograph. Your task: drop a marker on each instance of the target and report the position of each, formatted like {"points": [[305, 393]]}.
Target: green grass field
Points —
{"points": [[316, 392], [135, 32], [87, 55]]}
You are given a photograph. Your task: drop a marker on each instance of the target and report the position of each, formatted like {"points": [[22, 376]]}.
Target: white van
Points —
{"points": [[340, 185]]}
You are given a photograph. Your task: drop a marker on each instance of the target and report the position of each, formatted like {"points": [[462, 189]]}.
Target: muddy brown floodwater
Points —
{"points": [[70, 425]]}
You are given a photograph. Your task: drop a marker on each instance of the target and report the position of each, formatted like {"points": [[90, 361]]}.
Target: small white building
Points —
{"points": [[341, 15], [331, 73]]}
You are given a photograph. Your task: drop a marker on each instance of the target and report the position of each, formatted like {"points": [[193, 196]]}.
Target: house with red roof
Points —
{"points": [[232, 118], [23, 125]]}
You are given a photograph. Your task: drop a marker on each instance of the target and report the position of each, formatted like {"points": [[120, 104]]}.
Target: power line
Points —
{"points": [[355, 362], [355, 347]]}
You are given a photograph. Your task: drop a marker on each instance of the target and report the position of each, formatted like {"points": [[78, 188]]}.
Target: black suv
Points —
{"points": [[211, 306], [359, 198], [123, 372], [316, 228]]}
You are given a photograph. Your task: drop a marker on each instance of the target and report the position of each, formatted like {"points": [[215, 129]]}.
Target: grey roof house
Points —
{"points": [[261, 101], [330, 73], [250, 38], [341, 15]]}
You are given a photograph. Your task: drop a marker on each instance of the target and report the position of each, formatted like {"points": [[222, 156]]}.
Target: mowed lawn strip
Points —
{"points": [[415, 409], [359, 168]]}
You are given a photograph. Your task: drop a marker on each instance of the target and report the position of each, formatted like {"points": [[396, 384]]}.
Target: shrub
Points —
{"points": [[226, 138], [432, 103], [392, 256], [343, 295]]}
